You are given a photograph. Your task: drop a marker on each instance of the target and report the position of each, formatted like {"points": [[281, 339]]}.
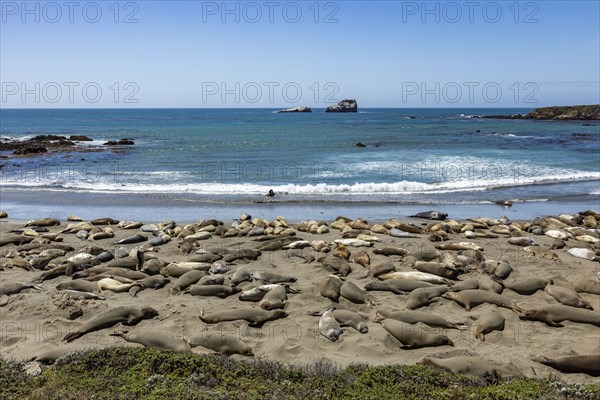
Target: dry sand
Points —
{"points": [[35, 321]]}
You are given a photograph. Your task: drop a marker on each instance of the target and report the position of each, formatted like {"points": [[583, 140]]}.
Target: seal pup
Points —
{"points": [[80, 285], [330, 288], [489, 320], [137, 238], [256, 317], [553, 315], [474, 297], [114, 285], [107, 319], [567, 296], [412, 317], [272, 277], [275, 298], [435, 268], [14, 288], [221, 343], [391, 251], [346, 318], [585, 364], [361, 257], [76, 294], [338, 265], [413, 337], [186, 280], [155, 339], [328, 325], [587, 286]]}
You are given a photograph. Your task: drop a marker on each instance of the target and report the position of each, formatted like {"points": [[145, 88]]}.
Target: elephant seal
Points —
{"points": [[397, 286], [381, 267], [553, 315], [330, 288], [256, 317], [488, 321], [272, 277], [221, 343], [433, 215], [464, 285], [585, 364], [489, 284], [470, 365], [137, 238], [43, 222], [80, 285], [155, 339], [567, 297], [362, 258], [412, 317], [436, 268], [186, 280], [422, 297], [114, 285], [587, 286], [474, 297], [240, 275], [527, 287], [338, 265], [351, 292], [328, 325], [14, 288], [391, 251], [76, 294], [415, 275], [107, 319], [413, 337], [275, 298], [347, 318], [221, 291]]}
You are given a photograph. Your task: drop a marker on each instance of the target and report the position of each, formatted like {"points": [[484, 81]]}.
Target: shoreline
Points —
{"points": [[37, 204]]}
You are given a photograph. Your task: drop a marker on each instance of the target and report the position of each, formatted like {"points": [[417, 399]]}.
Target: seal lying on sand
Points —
{"points": [[413, 337], [221, 343], [256, 317], [554, 314], [156, 339], [586, 364], [126, 315]]}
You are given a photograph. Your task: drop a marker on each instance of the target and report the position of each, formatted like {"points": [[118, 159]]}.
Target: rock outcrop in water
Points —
{"points": [[344, 106], [561, 113], [43, 144], [296, 110]]}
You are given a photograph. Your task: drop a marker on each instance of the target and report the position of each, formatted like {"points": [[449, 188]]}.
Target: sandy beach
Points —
{"points": [[35, 321]]}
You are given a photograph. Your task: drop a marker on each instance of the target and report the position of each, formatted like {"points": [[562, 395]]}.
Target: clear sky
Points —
{"points": [[288, 54]]}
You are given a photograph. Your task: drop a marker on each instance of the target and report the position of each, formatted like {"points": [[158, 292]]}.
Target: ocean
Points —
{"points": [[220, 157]]}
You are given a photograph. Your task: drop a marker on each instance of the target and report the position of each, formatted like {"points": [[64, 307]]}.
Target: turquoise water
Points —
{"points": [[416, 156]]}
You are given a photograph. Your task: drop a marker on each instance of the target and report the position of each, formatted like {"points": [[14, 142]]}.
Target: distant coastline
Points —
{"points": [[558, 113]]}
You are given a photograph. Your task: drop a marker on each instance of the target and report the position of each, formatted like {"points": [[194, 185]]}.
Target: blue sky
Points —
{"points": [[383, 53]]}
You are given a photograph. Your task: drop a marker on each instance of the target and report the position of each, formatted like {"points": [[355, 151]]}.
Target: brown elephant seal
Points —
{"points": [[328, 325], [186, 280], [330, 288], [361, 257], [156, 339], [554, 314], [391, 251], [464, 285], [348, 318], [412, 336], [397, 286], [567, 297], [339, 266], [474, 297], [488, 321], [489, 284], [240, 275], [585, 364], [470, 365], [527, 287], [412, 317], [14, 288], [587, 286], [256, 317], [380, 268], [274, 299], [436, 268], [53, 354], [220, 291], [107, 319], [221, 343], [79, 285], [422, 297], [43, 222], [353, 293]]}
